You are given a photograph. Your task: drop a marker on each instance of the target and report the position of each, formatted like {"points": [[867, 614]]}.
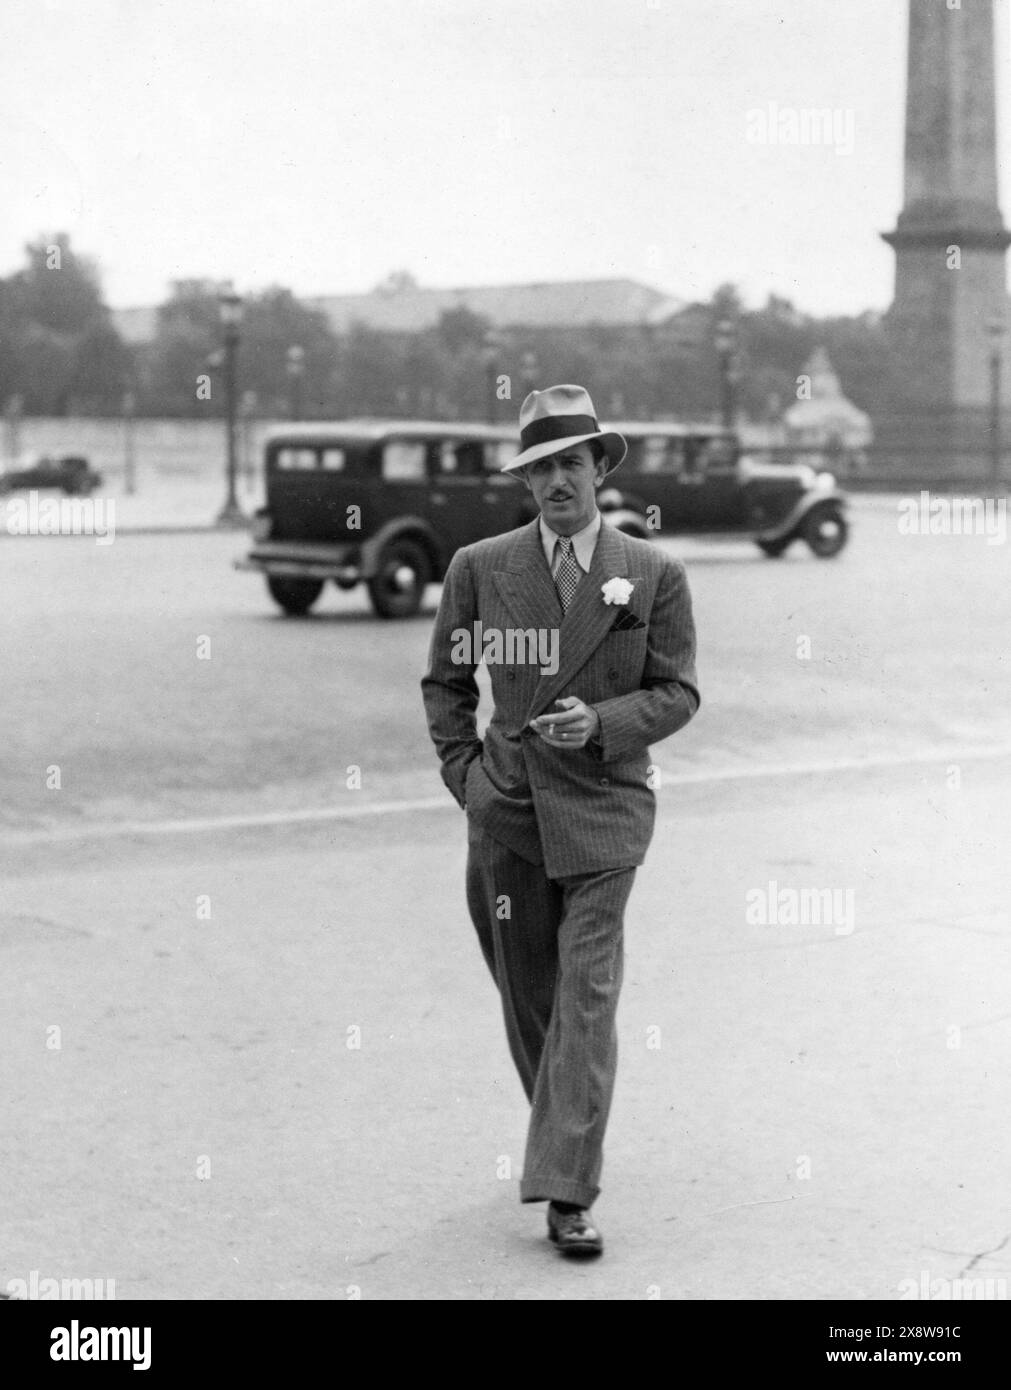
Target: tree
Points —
{"points": [[60, 350], [101, 370], [187, 339], [273, 323], [371, 371], [461, 330], [58, 289], [188, 346]]}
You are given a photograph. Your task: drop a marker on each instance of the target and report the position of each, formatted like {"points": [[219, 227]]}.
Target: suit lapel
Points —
{"points": [[526, 587], [583, 627]]}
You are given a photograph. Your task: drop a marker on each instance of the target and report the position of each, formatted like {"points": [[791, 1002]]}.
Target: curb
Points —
{"points": [[165, 529]]}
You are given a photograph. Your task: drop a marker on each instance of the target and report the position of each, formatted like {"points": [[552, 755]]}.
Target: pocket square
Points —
{"points": [[626, 621]]}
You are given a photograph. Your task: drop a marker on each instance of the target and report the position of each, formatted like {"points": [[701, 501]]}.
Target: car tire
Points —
{"points": [[398, 585], [826, 531], [295, 596], [774, 550]]}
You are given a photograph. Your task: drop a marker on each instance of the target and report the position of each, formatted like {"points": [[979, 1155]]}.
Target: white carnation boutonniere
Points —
{"points": [[617, 591]]}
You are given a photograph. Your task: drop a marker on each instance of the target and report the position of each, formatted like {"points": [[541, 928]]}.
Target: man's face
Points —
{"points": [[564, 486]]}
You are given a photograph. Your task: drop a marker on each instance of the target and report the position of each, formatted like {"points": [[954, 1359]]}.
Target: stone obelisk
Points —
{"points": [[950, 241]]}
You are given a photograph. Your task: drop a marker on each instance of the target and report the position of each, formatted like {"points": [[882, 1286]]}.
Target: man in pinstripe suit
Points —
{"points": [[559, 806]]}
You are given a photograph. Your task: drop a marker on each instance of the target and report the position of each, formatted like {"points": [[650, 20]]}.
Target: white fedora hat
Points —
{"points": [[558, 418]]}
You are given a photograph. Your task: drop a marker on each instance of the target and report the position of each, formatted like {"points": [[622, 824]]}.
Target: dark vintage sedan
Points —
{"points": [[384, 503], [697, 479], [71, 473], [387, 503]]}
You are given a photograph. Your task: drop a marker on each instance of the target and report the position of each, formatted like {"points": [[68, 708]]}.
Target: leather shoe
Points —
{"points": [[573, 1232]]}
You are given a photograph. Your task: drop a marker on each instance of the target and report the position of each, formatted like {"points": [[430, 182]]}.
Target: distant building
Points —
{"points": [[402, 307], [545, 304]]}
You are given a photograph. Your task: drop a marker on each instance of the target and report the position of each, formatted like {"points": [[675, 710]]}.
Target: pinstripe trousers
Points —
{"points": [[555, 951]]}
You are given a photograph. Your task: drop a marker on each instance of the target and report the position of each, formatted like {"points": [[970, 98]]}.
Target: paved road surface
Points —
{"points": [[802, 1110]]}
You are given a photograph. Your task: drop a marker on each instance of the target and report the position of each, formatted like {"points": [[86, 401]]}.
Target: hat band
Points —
{"points": [[556, 427]]}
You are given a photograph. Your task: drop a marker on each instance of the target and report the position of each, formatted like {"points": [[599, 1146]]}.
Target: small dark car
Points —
{"points": [[71, 473], [696, 478]]}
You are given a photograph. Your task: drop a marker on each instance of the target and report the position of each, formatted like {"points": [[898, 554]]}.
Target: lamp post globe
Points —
{"points": [[725, 342], [294, 361], [490, 356], [230, 312]]}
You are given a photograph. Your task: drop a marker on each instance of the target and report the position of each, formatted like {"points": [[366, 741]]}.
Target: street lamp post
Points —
{"points": [[529, 366], [129, 405], [230, 307], [247, 413], [996, 329], [295, 366], [15, 409], [490, 356], [726, 350]]}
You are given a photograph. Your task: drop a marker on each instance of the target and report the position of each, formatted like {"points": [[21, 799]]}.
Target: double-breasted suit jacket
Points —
{"points": [[576, 810]]}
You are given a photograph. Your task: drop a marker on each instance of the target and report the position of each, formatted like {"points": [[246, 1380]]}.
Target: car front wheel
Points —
{"points": [[295, 596], [397, 588], [825, 530]]}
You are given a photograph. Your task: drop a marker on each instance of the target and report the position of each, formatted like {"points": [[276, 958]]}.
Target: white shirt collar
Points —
{"points": [[584, 542]]}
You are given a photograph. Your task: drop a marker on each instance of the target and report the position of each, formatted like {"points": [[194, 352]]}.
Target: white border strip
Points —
{"points": [[322, 814]]}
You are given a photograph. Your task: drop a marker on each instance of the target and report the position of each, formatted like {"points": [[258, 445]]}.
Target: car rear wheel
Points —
{"points": [[825, 530], [398, 585], [295, 596]]}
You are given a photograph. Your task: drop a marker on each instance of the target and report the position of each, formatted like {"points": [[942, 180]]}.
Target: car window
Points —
{"points": [[497, 453], [661, 454], [696, 456], [456, 458], [469, 458], [296, 458], [442, 460], [722, 453], [675, 456], [333, 459], [404, 461]]}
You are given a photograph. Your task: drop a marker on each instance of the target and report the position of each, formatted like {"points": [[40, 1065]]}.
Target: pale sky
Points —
{"points": [[321, 144]]}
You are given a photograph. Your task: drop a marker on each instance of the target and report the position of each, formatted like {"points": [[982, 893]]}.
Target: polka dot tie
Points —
{"points": [[567, 571]]}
